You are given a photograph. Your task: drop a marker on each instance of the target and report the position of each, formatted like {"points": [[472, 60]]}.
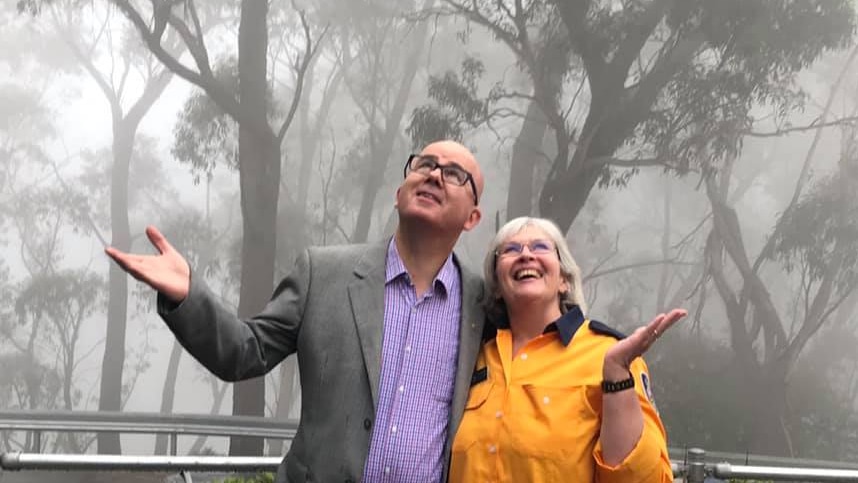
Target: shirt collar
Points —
{"points": [[395, 268], [567, 325]]}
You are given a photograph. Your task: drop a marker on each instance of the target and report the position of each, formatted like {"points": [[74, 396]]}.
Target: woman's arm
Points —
{"points": [[622, 416]]}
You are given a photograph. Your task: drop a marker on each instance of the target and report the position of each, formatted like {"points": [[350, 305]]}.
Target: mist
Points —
{"points": [[700, 155]]}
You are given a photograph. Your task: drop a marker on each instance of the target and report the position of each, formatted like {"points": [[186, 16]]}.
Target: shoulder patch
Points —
{"points": [[647, 385], [603, 329]]}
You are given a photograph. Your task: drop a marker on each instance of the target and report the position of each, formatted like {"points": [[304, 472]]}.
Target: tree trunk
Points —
{"points": [[766, 397], [526, 150], [110, 395], [564, 197], [381, 152], [168, 394], [259, 173]]}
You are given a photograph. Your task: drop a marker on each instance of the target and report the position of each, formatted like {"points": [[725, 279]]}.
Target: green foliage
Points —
{"points": [[819, 236], [749, 55], [698, 391], [259, 478], [456, 106], [205, 136]]}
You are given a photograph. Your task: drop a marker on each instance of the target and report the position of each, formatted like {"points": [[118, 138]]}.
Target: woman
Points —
{"points": [[556, 397]]}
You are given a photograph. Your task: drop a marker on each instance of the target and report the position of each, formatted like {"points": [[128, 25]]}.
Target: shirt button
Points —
{"points": [[546, 400], [493, 449], [393, 429], [524, 357], [499, 414], [401, 388], [414, 308], [387, 470], [408, 348], [367, 423]]}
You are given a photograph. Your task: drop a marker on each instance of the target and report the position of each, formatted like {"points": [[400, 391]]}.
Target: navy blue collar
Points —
{"points": [[567, 325]]}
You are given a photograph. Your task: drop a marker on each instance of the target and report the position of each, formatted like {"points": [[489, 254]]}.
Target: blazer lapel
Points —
{"points": [[366, 294], [470, 340]]}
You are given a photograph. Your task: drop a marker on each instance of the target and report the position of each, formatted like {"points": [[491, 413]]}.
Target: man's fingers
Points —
{"points": [[119, 257], [158, 240]]}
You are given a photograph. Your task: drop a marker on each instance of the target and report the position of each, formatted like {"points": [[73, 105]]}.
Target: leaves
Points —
{"points": [[456, 107]]}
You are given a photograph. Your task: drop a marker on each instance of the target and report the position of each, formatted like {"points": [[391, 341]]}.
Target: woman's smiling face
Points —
{"points": [[528, 269]]}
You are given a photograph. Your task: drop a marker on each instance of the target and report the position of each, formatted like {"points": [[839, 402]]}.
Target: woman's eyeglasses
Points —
{"points": [[536, 247]]}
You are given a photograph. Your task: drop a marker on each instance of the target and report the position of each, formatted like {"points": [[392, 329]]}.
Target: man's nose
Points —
{"points": [[435, 175]]}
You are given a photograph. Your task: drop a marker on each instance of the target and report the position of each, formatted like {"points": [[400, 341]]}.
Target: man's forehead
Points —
{"points": [[450, 152]]}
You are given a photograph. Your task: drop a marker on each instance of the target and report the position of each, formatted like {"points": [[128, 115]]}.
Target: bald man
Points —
{"points": [[386, 334]]}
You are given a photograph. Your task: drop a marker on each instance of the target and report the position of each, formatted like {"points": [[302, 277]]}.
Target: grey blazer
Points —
{"points": [[330, 310]]}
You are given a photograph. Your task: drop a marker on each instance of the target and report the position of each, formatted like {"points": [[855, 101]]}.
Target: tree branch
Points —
{"points": [[810, 127], [310, 51]]}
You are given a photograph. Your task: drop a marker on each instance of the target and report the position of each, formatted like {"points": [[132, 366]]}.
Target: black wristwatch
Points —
{"points": [[612, 386]]}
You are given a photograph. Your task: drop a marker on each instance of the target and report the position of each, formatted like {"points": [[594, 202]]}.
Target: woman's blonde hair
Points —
{"points": [[495, 305]]}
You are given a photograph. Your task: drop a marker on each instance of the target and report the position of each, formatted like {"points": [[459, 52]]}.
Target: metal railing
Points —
{"points": [[97, 462], [173, 425], [691, 465], [695, 469]]}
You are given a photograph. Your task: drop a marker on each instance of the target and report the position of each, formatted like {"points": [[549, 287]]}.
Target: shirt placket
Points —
{"points": [[405, 375]]}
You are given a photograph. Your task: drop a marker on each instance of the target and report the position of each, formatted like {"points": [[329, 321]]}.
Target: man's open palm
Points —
{"points": [[167, 272]]}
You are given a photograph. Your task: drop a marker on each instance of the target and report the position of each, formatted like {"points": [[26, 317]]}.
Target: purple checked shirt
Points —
{"points": [[418, 371]]}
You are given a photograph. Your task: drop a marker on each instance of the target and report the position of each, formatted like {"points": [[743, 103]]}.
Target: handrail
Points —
{"points": [[73, 462], [150, 423], [726, 470], [677, 454], [80, 462], [147, 423]]}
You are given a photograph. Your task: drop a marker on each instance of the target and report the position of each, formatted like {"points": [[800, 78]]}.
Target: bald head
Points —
{"points": [[449, 151]]}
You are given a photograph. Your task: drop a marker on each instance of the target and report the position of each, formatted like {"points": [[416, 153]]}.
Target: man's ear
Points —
{"points": [[473, 219], [396, 198]]}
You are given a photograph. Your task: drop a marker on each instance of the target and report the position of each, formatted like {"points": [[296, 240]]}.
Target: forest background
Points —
{"points": [[697, 153]]}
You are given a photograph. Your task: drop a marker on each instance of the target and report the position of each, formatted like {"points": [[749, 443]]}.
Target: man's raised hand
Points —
{"points": [[167, 272]]}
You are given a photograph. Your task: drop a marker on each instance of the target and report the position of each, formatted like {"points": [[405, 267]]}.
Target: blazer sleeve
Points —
{"points": [[235, 349]]}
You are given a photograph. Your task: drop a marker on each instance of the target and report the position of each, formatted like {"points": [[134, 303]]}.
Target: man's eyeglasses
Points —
{"points": [[536, 247], [450, 173]]}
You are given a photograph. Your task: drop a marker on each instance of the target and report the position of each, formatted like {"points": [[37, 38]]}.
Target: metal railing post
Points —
{"points": [[696, 469], [174, 443]]}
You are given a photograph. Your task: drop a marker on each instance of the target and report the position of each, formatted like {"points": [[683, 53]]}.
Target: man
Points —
{"points": [[386, 334]]}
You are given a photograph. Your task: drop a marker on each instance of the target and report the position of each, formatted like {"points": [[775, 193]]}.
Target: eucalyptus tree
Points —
{"points": [[49, 302], [259, 144], [380, 83], [116, 62], [618, 83], [676, 85]]}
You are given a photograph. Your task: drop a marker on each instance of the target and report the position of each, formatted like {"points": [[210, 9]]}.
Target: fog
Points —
{"points": [[702, 156]]}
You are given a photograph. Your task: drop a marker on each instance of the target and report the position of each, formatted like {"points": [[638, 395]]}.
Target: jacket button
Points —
{"points": [[367, 423]]}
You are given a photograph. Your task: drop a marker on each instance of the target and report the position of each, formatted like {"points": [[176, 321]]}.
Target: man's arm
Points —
{"points": [[231, 348]]}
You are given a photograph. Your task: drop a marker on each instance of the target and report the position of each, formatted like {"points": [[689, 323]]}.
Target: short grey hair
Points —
{"points": [[495, 306]]}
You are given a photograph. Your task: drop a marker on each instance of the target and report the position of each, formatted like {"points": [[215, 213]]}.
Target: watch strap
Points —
{"points": [[617, 386]]}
